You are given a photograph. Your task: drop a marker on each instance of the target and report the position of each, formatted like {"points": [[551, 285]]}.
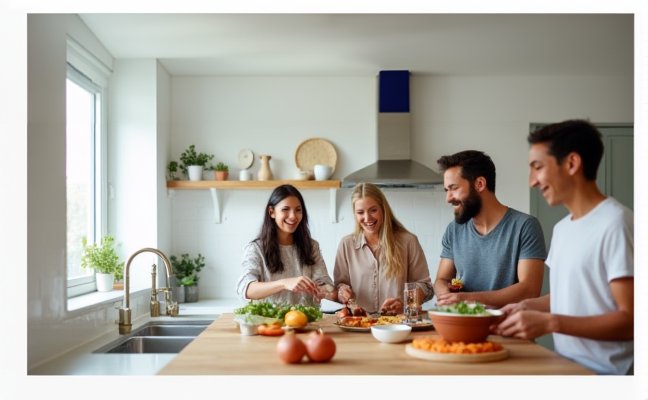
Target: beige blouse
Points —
{"points": [[356, 266]]}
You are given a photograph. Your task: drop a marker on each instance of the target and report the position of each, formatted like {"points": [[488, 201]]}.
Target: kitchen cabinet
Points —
{"points": [[215, 188]]}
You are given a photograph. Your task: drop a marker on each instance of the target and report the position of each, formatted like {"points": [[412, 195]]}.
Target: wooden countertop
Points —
{"points": [[222, 350]]}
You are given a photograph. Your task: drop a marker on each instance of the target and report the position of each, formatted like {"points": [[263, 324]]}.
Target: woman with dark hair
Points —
{"points": [[374, 263], [284, 264]]}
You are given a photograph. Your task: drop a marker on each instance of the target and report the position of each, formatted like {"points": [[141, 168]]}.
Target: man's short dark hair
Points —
{"points": [[473, 164], [574, 135]]}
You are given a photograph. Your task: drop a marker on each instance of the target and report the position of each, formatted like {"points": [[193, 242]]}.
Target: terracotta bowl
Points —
{"points": [[464, 328]]}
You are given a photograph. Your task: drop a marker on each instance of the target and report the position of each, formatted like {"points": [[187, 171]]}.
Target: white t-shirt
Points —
{"points": [[585, 255]]}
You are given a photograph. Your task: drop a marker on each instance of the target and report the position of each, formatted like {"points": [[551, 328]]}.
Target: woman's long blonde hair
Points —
{"points": [[391, 249]]}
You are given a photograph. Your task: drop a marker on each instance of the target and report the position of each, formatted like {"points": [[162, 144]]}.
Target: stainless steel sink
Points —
{"points": [[148, 344], [188, 328], [157, 337]]}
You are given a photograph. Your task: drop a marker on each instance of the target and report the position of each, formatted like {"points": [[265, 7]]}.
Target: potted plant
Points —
{"points": [[193, 162], [221, 171], [186, 271], [172, 168], [104, 260]]}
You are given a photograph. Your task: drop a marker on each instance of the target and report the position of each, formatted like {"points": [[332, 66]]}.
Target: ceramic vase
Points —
{"points": [[265, 173]]}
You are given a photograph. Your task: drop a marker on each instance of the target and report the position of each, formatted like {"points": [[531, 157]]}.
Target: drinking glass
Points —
{"points": [[411, 302]]}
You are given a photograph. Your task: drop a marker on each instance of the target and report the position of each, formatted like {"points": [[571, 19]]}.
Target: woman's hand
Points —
{"points": [[326, 291], [300, 284], [344, 294], [392, 306]]}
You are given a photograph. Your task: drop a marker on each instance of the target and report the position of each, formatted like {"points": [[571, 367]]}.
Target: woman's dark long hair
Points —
{"points": [[269, 237]]}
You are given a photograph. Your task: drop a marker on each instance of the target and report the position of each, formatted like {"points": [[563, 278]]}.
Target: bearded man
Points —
{"points": [[497, 252]]}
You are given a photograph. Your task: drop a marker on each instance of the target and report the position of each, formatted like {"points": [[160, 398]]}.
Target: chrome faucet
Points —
{"points": [[125, 324]]}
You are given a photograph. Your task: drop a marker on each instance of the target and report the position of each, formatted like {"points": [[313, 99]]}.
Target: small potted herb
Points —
{"points": [[186, 271], [104, 260], [221, 171], [193, 162], [172, 168]]}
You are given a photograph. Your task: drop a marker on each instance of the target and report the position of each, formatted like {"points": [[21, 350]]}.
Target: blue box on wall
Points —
{"points": [[393, 89]]}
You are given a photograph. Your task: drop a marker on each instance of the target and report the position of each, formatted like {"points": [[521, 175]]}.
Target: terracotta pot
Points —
{"points": [[221, 175]]}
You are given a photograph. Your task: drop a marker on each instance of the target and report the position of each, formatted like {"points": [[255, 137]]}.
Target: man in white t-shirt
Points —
{"points": [[590, 308]]}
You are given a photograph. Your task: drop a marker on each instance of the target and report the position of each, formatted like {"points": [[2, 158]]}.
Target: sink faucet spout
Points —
{"points": [[125, 324]]}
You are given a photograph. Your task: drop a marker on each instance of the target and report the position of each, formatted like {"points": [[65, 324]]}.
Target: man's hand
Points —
{"points": [[445, 299], [526, 324]]}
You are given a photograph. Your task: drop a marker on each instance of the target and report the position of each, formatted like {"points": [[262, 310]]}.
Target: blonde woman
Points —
{"points": [[373, 264]]}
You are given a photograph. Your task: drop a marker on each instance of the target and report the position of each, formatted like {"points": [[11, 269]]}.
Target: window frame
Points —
{"points": [[85, 70]]}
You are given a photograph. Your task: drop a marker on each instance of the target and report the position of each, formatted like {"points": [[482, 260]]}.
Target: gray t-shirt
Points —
{"points": [[489, 262]]}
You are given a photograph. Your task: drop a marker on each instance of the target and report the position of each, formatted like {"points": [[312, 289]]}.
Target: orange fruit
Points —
{"points": [[296, 319]]}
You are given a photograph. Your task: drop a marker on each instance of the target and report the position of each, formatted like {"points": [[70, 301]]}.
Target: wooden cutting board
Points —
{"points": [[457, 358]]}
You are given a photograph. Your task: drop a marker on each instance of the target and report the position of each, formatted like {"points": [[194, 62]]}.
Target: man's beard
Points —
{"points": [[469, 207]]}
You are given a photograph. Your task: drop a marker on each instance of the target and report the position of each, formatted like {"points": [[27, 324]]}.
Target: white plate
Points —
{"points": [[353, 328], [329, 306], [421, 325], [245, 158]]}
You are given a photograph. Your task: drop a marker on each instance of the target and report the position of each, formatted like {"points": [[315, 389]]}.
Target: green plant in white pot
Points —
{"points": [[193, 163], [104, 260], [186, 271]]}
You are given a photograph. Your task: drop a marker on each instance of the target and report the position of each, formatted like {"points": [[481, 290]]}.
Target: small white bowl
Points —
{"points": [[394, 333], [249, 329]]}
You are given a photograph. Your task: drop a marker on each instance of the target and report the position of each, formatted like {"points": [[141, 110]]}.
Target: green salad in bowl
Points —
{"points": [[267, 312], [464, 308]]}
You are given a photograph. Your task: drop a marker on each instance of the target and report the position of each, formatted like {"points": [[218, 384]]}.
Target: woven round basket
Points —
{"points": [[315, 151]]}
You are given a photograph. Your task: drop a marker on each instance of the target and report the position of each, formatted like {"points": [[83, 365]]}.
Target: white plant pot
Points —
{"points": [[195, 172], [104, 282]]}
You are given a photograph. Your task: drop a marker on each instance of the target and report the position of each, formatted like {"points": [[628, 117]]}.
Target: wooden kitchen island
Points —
{"points": [[222, 350]]}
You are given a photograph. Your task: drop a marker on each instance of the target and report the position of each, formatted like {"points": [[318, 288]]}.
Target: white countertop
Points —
{"points": [[82, 360]]}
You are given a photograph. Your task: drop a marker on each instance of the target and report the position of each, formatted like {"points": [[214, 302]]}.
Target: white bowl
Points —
{"points": [[393, 333], [322, 172], [249, 329]]}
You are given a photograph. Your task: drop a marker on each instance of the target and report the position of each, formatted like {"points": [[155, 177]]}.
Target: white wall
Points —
{"points": [[493, 114], [135, 172], [270, 115], [163, 112]]}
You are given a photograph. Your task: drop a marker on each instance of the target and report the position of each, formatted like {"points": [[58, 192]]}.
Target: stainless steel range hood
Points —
{"points": [[394, 168]]}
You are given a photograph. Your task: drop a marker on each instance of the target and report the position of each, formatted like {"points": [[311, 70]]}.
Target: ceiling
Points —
{"points": [[362, 44]]}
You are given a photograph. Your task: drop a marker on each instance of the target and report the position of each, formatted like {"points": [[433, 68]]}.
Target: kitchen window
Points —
{"points": [[85, 163]]}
